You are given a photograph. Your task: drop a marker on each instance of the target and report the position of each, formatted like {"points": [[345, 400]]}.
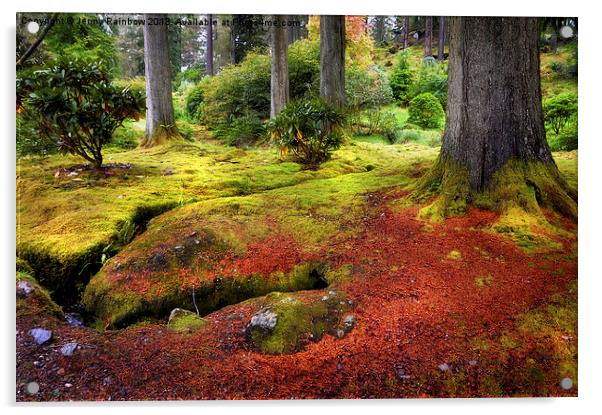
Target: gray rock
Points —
{"points": [[68, 349], [349, 322], [74, 319], [24, 288], [40, 335], [444, 367], [340, 333], [265, 319]]}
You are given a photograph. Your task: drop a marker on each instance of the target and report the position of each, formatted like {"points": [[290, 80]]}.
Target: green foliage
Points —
{"points": [[304, 68], [29, 142], [432, 78], [559, 110], [367, 87], [430, 138], [74, 103], [194, 99], [137, 85], [567, 140], [401, 79], [426, 111], [126, 137], [245, 130], [311, 129], [383, 122]]}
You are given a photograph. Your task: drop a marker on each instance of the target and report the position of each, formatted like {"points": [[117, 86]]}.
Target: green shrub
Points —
{"points": [[311, 129], [367, 87], [137, 85], [74, 103], [426, 111], [245, 131], [30, 142], [383, 122], [401, 79], [566, 140], [559, 110], [126, 137], [194, 99], [432, 78]]}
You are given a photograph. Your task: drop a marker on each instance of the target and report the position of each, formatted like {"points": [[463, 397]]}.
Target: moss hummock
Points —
{"points": [[37, 301]]}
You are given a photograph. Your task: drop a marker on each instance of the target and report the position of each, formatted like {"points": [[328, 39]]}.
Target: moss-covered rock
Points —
{"points": [[285, 323], [184, 321], [33, 299]]}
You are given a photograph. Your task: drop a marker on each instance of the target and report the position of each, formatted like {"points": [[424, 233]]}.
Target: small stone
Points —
{"points": [[73, 174], [340, 333], [349, 322], [68, 385], [68, 349], [325, 298], [444, 367], [24, 288], [32, 388], [339, 366], [40, 335], [60, 372], [265, 319], [472, 363], [566, 383]]}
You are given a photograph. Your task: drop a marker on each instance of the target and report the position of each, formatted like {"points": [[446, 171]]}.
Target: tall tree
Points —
{"points": [[441, 44], [379, 30], [406, 31], [279, 79], [428, 36], [246, 33], [209, 48], [160, 120], [332, 59], [494, 147]]}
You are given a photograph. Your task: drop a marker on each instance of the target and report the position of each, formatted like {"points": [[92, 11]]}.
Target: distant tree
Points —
{"points": [[332, 59], [174, 40], [441, 45], [494, 148], [160, 120], [428, 36], [406, 31], [279, 73], [379, 30], [246, 34], [209, 48]]}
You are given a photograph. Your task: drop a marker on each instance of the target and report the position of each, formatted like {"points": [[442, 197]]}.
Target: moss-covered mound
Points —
{"points": [[285, 323], [184, 321], [33, 299]]}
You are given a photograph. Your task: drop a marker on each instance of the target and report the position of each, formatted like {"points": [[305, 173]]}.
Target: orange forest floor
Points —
{"points": [[424, 328]]}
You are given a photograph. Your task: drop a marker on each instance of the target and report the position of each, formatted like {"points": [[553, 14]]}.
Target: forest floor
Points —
{"points": [[479, 305]]}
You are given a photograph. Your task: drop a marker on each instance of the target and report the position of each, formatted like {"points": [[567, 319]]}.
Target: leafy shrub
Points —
{"points": [[29, 142], [426, 111], [245, 130], [401, 79], [137, 85], [432, 79], [126, 137], [74, 103], [566, 140], [560, 110], [383, 122], [194, 99], [310, 129], [367, 87]]}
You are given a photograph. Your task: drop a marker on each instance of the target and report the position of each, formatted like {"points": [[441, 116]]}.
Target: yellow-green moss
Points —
{"points": [[484, 280], [186, 323], [454, 255]]}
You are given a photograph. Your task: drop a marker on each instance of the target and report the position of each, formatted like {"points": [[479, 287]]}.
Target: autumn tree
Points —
{"points": [[494, 151], [332, 59], [279, 85], [160, 120]]}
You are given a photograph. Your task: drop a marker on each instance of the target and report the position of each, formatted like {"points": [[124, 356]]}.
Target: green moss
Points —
{"points": [[38, 301], [23, 266], [185, 322], [298, 322], [484, 281], [454, 255]]}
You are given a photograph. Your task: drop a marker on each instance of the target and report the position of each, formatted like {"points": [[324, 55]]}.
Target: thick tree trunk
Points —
{"points": [[554, 43], [279, 79], [494, 141], [441, 45], [428, 36], [209, 49], [332, 59], [160, 121], [406, 31]]}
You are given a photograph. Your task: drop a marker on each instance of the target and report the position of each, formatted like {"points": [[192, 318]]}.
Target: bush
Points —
{"points": [[401, 79], [432, 78], [559, 110], [194, 99], [74, 104], [29, 142], [310, 129], [566, 140], [137, 85], [126, 137], [367, 87], [383, 123], [426, 111], [245, 131]]}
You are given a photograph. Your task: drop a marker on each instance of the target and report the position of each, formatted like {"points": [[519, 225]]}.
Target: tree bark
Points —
{"points": [[160, 121], [441, 45], [209, 49], [279, 79], [428, 36], [494, 137], [332, 59], [406, 31], [554, 43], [379, 30]]}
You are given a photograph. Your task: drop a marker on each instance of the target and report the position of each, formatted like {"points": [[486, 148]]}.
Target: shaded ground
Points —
{"points": [[493, 320]]}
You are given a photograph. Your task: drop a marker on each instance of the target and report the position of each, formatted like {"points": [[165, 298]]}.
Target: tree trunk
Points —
{"points": [[406, 31], [428, 36], [441, 46], [379, 30], [160, 121], [494, 142], [554, 43], [332, 59], [209, 49], [279, 79]]}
